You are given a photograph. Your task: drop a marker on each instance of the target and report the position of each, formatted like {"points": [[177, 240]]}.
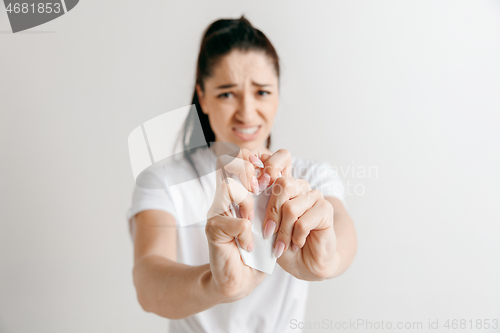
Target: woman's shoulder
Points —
{"points": [[175, 169]]}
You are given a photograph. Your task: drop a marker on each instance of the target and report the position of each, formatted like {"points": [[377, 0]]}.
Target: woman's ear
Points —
{"points": [[201, 98]]}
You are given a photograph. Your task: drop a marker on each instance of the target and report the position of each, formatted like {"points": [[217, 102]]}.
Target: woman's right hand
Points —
{"points": [[244, 166], [232, 279]]}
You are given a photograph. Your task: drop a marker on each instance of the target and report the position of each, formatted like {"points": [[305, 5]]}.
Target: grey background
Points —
{"points": [[409, 87]]}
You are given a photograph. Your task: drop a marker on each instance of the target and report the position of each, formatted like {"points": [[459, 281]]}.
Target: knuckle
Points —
{"points": [[277, 189], [281, 181], [287, 186], [285, 151], [210, 226], [290, 209], [246, 225], [325, 204], [284, 233], [268, 167], [210, 223], [301, 229], [274, 210], [287, 208], [305, 186]]}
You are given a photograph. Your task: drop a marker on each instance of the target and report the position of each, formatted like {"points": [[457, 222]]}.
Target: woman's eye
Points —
{"points": [[263, 92], [225, 95]]}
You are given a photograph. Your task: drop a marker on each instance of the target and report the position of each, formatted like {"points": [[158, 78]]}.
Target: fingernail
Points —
{"points": [[252, 215], [255, 185], [265, 182], [294, 248], [256, 161], [278, 249], [250, 247], [269, 229]]}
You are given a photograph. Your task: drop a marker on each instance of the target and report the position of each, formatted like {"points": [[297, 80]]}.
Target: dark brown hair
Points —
{"points": [[219, 39]]}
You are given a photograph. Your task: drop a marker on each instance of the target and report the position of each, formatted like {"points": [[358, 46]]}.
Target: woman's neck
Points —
{"points": [[221, 148]]}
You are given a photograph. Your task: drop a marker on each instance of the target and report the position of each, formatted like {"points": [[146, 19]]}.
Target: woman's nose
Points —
{"points": [[247, 109]]}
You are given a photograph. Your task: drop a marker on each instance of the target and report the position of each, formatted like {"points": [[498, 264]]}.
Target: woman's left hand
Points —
{"points": [[275, 165], [303, 219]]}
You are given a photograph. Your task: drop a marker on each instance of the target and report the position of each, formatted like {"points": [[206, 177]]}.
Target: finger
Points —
{"points": [[236, 166], [247, 155], [264, 157], [232, 191], [282, 190], [243, 169], [277, 163], [255, 160], [240, 197], [316, 218], [257, 171], [287, 172], [263, 179], [291, 211], [222, 230]]}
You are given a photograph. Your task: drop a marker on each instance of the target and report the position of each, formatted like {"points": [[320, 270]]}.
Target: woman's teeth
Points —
{"points": [[249, 130]]}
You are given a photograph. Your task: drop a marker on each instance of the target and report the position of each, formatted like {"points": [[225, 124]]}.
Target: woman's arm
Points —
{"points": [[165, 287], [174, 290], [345, 232]]}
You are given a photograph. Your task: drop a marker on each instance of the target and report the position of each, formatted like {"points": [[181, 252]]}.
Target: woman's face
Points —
{"points": [[241, 99]]}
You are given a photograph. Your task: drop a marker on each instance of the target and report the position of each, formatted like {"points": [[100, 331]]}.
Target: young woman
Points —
{"points": [[194, 275]]}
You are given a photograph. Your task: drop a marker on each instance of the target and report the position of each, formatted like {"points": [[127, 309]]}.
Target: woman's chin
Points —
{"points": [[249, 145]]}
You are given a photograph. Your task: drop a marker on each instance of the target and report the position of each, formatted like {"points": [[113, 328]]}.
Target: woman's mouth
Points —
{"points": [[247, 133]]}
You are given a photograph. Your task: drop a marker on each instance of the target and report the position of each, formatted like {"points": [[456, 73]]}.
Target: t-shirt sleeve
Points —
{"points": [[150, 192], [323, 177]]}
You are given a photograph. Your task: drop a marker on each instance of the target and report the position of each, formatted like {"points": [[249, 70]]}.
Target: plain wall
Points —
{"points": [[409, 92]]}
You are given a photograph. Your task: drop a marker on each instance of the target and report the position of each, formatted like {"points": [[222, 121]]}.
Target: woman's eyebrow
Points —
{"points": [[225, 86], [260, 84], [230, 85]]}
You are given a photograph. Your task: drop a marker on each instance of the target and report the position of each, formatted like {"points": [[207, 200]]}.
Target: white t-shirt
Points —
{"points": [[175, 188]]}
